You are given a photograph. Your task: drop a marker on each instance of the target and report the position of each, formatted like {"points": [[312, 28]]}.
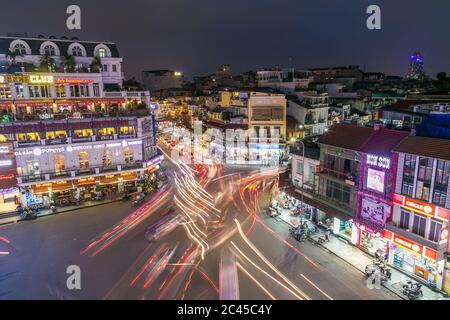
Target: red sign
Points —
{"points": [[442, 214], [407, 244], [8, 169], [424, 208], [444, 235], [73, 81], [430, 253]]}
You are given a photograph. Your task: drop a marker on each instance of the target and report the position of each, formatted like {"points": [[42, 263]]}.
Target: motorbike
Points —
{"points": [[27, 213], [412, 291], [325, 225], [296, 236], [139, 199]]}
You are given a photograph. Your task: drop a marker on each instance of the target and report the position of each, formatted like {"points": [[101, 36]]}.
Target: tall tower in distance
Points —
{"points": [[416, 67]]}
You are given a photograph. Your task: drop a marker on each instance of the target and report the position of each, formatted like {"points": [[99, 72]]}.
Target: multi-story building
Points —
{"points": [[416, 66], [417, 236], [311, 110], [338, 177], [266, 120], [286, 80], [64, 132], [378, 168], [68, 56]]}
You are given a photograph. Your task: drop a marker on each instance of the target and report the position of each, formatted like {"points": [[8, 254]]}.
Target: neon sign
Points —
{"points": [[73, 81], [381, 162], [41, 79]]}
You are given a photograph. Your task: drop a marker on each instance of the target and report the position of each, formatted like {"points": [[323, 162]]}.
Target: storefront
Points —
{"points": [[345, 229], [415, 259]]}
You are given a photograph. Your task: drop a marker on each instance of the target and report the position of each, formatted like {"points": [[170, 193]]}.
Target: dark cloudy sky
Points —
{"points": [[197, 36]]}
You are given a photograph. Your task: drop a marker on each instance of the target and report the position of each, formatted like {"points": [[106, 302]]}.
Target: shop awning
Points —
{"points": [[108, 180], [62, 187], [128, 177]]}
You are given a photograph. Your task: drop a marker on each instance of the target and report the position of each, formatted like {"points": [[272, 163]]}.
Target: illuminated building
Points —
{"points": [[416, 67], [71, 132]]}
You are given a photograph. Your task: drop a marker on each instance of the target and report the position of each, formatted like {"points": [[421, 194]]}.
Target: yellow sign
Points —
{"points": [[41, 79]]}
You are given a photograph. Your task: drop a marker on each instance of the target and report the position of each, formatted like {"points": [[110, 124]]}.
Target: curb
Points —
{"points": [[60, 211], [335, 254]]}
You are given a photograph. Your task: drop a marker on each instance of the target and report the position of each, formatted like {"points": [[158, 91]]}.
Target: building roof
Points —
{"points": [[63, 45], [383, 141], [424, 146], [347, 136]]}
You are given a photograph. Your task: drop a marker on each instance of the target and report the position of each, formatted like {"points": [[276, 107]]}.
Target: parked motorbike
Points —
{"points": [[412, 291], [27, 213], [299, 238]]}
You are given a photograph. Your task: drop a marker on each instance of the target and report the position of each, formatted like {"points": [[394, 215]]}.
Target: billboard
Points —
{"points": [[375, 211], [375, 180], [7, 166]]}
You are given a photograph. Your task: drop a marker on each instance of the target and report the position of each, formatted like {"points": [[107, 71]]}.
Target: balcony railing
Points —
{"points": [[42, 177], [347, 177]]}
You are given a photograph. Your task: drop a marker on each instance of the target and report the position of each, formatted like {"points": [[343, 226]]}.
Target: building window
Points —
{"points": [[96, 90], [107, 158], [311, 172], [5, 92], [20, 49], [435, 231], [404, 220], [49, 50], [424, 178], [20, 90], [419, 224], [300, 167], [83, 157], [77, 51], [60, 91], [114, 68], [129, 155], [441, 182], [101, 52], [39, 91], [79, 90], [408, 175], [105, 68], [58, 161], [33, 167]]}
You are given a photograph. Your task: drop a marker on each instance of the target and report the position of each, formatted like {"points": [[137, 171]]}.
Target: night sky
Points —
{"points": [[197, 36]]}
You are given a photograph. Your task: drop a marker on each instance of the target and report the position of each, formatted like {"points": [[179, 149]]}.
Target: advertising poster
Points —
{"points": [[375, 180], [374, 210]]}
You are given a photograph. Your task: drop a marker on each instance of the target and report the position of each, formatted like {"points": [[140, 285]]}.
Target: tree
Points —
{"points": [[184, 120], [68, 61], [48, 62], [441, 76], [96, 64], [12, 56]]}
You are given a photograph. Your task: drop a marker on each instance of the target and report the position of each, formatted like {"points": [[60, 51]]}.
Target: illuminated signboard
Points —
{"points": [[2, 79], [41, 79], [73, 81], [374, 211], [7, 166], [375, 180], [424, 208], [381, 162], [407, 244]]}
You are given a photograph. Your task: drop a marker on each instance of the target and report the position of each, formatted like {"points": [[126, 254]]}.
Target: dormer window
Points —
{"points": [[49, 50], [20, 48], [101, 52], [77, 51]]}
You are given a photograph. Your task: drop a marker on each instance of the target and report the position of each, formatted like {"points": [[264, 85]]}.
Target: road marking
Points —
{"points": [[311, 283]]}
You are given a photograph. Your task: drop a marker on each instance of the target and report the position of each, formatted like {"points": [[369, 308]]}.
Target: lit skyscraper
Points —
{"points": [[416, 66]]}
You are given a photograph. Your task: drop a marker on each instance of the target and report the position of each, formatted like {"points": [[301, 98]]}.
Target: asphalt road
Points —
{"points": [[117, 261]]}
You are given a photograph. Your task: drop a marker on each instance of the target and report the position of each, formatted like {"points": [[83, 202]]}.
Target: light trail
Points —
{"points": [[268, 275], [255, 281], [320, 290], [263, 258]]}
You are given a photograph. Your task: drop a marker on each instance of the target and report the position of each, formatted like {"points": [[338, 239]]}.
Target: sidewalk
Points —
{"points": [[359, 259], [12, 218]]}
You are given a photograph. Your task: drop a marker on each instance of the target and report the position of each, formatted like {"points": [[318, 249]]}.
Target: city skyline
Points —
{"points": [[177, 35]]}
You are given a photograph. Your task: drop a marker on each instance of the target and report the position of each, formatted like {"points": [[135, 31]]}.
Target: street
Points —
{"points": [[210, 238]]}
